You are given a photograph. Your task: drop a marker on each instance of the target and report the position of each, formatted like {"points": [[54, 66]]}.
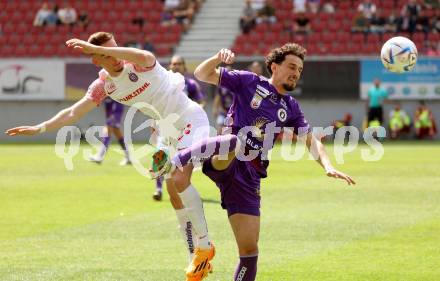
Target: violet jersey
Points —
{"points": [[193, 91], [226, 98], [256, 104], [113, 112], [160, 89]]}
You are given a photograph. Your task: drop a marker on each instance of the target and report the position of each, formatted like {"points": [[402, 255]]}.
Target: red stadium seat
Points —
{"points": [[6, 51], [276, 27], [435, 37], [20, 51], [373, 38], [418, 36], [163, 51], [343, 37], [358, 38], [313, 39]]}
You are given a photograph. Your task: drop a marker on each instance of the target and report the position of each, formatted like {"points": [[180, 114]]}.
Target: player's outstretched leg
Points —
{"points": [[218, 145]]}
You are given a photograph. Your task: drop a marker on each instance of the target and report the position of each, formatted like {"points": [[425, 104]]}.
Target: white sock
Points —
{"points": [[187, 231], [194, 210]]}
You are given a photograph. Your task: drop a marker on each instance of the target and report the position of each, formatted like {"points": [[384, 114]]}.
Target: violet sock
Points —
{"points": [[105, 142], [124, 147], [246, 268], [218, 145], [159, 182]]}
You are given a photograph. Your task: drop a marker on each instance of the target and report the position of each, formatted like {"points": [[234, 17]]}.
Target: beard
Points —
{"points": [[289, 87]]}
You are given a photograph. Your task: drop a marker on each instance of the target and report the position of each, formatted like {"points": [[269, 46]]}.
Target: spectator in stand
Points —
{"points": [[83, 19], [405, 23], [422, 23], [247, 19], [299, 6], [42, 15], [184, 14], [377, 22], [391, 23], [313, 6], [328, 8], [67, 15], [53, 17], [410, 13], [301, 24], [424, 122], [171, 5], [360, 23], [435, 22], [367, 8], [147, 44], [257, 4], [267, 13]]}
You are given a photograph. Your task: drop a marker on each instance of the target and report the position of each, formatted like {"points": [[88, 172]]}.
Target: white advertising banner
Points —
{"points": [[423, 82], [35, 79]]}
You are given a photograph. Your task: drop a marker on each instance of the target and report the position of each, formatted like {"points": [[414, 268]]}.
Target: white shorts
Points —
{"points": [[196, 128]]}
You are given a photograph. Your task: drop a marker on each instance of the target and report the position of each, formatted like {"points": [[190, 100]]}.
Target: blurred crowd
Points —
{"points": [[367, 17]]}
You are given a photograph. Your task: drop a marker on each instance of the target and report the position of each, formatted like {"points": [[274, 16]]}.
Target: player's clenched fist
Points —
{"points": [[226, 56]]}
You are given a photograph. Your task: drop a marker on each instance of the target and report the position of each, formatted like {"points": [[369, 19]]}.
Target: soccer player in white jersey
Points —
{"points": [[129, 76]]}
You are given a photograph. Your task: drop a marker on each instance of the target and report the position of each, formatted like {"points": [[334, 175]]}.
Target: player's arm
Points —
{"points": [[65, 117], [318, 151], [136, 56], [208, 72]]}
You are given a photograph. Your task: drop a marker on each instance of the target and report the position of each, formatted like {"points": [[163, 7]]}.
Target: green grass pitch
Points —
{"points": [[100, 223]]}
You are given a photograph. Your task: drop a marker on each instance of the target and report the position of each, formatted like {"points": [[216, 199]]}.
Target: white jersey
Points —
{"points": [[159, 88]]}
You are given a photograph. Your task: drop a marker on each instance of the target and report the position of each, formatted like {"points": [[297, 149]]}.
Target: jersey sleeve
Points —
{"points": [[194, 91], [234, 80], [96, 92], [298, 121]]}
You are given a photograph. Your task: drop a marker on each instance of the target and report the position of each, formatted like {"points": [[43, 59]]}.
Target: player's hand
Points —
{"points": [[226, 56], [81, 45], [23, 131], [331, 172]]}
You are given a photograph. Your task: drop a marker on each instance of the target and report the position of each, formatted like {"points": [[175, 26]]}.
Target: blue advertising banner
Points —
{"points": [[423, 82]]}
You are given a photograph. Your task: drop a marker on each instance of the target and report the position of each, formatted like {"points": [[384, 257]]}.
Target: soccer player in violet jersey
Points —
{"points": [[132, 76], [113, 118], [261, 104]]}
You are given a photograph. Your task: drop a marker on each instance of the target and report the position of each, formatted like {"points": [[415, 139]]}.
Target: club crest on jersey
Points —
{"points": [[282, 114], [110, 87], [133, 77]]}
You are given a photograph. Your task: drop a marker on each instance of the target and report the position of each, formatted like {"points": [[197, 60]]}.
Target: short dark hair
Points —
{"points": [[99, 38], [278, 55]]}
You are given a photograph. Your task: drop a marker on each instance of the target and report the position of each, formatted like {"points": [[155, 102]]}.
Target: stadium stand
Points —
{"points": [[332, 33], [20, 38]]}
